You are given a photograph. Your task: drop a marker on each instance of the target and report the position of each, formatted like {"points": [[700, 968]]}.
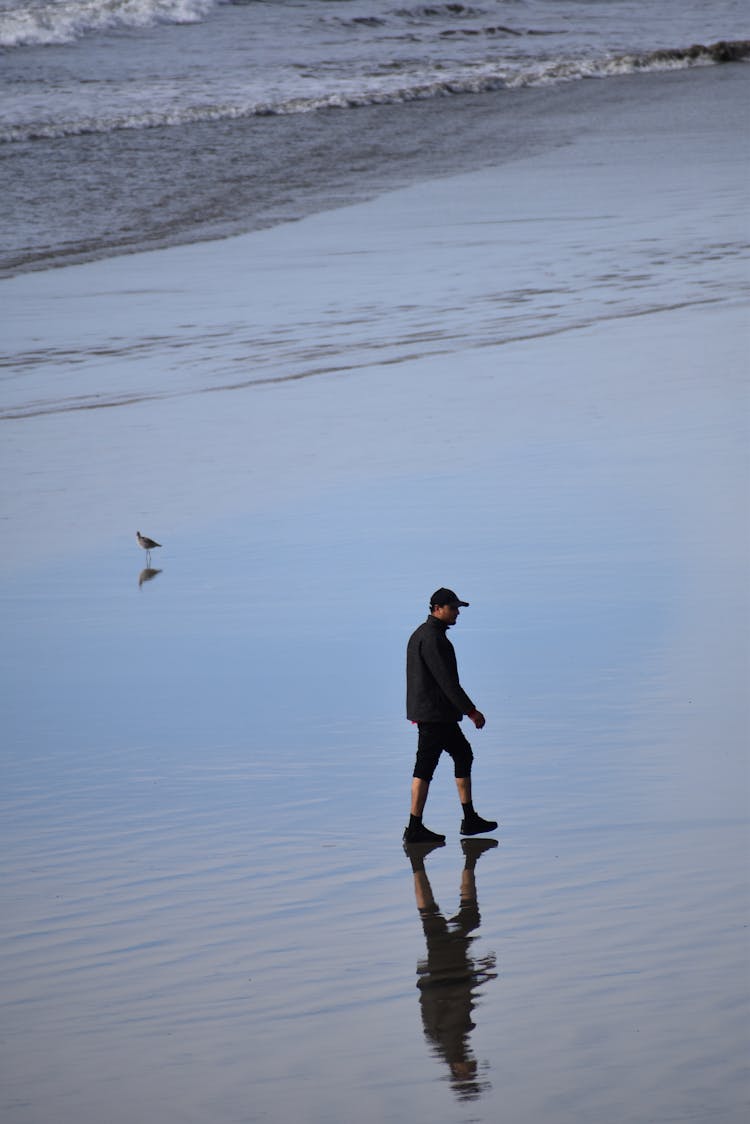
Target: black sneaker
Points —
{"points": [[422, 834], [475, 825]]}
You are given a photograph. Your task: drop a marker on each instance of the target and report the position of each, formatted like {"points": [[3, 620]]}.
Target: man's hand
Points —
{"points": [[477, 718]]}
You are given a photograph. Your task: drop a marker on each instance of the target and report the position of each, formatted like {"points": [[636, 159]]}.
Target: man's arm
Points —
{"points": [[441, 664]]}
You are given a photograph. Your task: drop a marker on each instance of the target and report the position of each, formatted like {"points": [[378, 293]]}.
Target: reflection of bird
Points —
{"points": [[147, 575], [146, 543]]}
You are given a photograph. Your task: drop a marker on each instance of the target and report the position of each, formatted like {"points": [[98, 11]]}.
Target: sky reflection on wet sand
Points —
{"points": [[209, 914]]}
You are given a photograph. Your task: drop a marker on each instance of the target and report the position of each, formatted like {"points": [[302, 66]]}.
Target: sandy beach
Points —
{"points": [[528, 382]]}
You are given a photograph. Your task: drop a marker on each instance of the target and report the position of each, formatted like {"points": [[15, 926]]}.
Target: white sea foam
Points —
{"points": [[63, 21], [397, 88]]}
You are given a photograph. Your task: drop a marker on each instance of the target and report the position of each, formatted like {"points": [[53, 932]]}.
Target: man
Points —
{"points": [[437, 702]]}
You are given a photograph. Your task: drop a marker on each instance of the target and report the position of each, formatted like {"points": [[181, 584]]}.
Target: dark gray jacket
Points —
{"points": [[433, 692]]}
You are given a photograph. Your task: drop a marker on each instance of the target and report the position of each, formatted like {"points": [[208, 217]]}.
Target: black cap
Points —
{"points": [[445, 596]]}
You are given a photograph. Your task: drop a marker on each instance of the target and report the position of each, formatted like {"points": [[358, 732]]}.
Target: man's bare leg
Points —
{"points": [[419, 791], [416, 832], [472, 823], [463, 784]]}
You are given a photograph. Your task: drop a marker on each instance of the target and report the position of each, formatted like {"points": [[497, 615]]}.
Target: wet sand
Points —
{"points": [[538, 397]]}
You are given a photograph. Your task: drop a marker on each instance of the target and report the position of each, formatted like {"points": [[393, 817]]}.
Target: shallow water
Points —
{"points": [[275, 110], [494, 258]]}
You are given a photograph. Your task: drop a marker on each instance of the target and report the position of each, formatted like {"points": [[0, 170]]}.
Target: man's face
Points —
{"points": [[448, 614]]}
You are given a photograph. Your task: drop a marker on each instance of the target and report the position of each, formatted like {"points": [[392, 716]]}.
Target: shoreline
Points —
{"points": [[501, 265], [514, 136]]}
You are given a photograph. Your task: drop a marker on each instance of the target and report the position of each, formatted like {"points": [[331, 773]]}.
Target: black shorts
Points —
{"points": [[434, 737]]}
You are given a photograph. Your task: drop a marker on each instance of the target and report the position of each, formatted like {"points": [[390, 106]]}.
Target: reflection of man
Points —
{"points": [[437, 702], [449, 979]]}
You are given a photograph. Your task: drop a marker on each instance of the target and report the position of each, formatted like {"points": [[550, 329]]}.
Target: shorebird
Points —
{"points": [[146, 544]]}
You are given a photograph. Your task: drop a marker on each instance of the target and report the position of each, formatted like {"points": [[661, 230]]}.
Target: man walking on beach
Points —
{"points": [[437, 702]]}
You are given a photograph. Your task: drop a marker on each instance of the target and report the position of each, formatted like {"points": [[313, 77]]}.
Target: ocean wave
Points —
{"points": [[484, 79], [439, 11], [45, 24], [416, 16], [475, 32]]}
